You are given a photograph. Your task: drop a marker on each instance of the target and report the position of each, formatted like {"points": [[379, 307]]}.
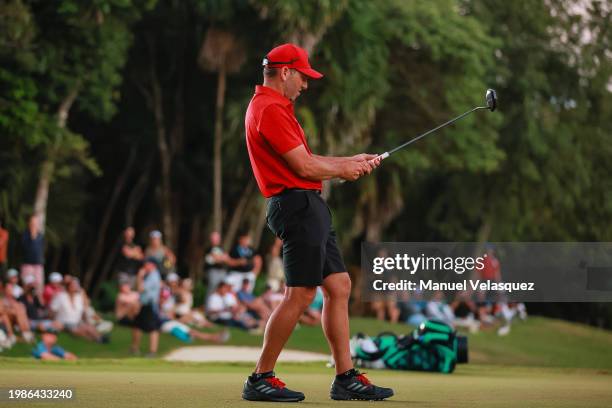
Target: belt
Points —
{"points": [[296, 190]]}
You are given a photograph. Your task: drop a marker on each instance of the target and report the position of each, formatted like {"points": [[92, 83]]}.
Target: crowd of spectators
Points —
{"points": [[62, 305], [153, 298], [472, 310]]}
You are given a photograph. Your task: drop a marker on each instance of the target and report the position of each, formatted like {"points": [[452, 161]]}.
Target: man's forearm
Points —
{"points": [[322, 168], [332, 159]]}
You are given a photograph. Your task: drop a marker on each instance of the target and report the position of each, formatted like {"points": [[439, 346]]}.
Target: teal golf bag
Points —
{"points": [[433, 346]]}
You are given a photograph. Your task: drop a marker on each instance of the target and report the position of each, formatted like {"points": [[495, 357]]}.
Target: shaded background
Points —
{"points": [[120, 108]]}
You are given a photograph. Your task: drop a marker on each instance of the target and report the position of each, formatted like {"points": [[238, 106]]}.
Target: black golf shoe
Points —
{"points": [[269, 388], [358, 387]]}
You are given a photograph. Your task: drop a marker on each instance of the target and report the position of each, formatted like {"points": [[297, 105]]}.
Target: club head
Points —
{"points": [[491, 97]]}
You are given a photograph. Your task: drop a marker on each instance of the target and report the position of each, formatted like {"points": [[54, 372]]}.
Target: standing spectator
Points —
{"points": [[4, 237], [33, 253], [130, 258], [276, 273], [491, 269], [52, 288], [161, 254], [215, 263], [244, 263], [12, 277], [148, 284]]}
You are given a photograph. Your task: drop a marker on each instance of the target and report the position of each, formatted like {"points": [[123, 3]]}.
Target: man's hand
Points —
{"points": [[352, 170], [359, 165]]}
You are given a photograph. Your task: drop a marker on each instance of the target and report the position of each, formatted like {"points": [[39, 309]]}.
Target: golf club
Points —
{"points": [[491, 99]]}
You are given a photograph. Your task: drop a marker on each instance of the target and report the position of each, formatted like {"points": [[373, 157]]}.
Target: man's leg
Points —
{"points": [[335, 319], [281, 324], [349, 384]]}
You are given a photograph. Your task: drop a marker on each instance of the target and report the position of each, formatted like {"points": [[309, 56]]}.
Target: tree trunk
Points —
{"points": [[195, 249], [94, 261], [155, 102], [217, 181], [132, 204], [48, 166], [260, 223], [232, 229]]}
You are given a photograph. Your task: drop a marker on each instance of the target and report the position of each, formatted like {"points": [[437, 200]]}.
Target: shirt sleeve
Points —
{"points": [[58, 351], [278, 128]]}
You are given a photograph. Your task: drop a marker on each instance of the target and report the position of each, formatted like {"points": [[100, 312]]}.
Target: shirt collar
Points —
{"points": [[265, 90]]}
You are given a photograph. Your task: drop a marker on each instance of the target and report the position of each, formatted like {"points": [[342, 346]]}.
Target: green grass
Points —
{"points": [[537, 342], [155, 383], [543, 362]]}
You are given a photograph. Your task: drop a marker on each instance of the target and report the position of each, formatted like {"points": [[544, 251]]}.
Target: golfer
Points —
{"points": [[290, 176]]}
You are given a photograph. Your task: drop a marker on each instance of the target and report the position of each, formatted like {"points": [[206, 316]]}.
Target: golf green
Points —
{"points": [[142, 383]]}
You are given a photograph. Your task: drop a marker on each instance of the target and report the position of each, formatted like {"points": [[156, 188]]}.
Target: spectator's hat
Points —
{"points": [[55, 277], [172, 277], [11, 273], [29, 280], [150, 259], [155, 234]]}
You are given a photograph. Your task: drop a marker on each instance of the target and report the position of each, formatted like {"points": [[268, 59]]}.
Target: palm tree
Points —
{"points": [[221, 52]]}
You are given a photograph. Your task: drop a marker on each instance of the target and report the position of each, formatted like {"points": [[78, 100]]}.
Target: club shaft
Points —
{"points": [[433, 130]]}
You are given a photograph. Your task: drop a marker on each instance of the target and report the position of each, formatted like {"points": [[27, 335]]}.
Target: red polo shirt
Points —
{"points": [[271, 131]]}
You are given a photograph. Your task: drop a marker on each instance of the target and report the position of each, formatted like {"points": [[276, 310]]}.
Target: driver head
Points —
{"points": [[491, 97]]}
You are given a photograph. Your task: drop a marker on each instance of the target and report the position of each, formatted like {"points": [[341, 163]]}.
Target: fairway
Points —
{"points": [[138, 383]]}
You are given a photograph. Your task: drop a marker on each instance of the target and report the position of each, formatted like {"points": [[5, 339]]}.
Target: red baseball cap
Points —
{"points": [[292, 56]]}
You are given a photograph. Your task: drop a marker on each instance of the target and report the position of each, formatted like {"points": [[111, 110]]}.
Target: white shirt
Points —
{"points": [[216, 303], [68, 310], [17, 291]]}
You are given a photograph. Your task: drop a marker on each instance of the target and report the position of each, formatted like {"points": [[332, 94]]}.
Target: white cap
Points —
{"points": [[155, 234], [55, 277], [28, 280], [11, 273], [172, 277]]}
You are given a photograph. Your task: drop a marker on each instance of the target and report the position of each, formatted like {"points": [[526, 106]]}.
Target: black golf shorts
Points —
{"points": [[302, 220]]}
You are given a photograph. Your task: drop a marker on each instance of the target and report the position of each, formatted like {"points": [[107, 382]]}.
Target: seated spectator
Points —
{"points": [[275, 270], [167, 300], [312, 315], [215, 267], [47, 349], [243, 262], [148, 283], [386, 308], [12, 276], [39, 320], [7, 335], [223, 308], [52, 288], [437, 309], [185, 333], [127, 304], [183, 309], [253, 304], [165, 258], [68, 308], [273, 297], [465, 312], [16, 314]]}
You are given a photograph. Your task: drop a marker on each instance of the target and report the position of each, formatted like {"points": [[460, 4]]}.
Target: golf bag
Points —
{"points": [[434, 346]]}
